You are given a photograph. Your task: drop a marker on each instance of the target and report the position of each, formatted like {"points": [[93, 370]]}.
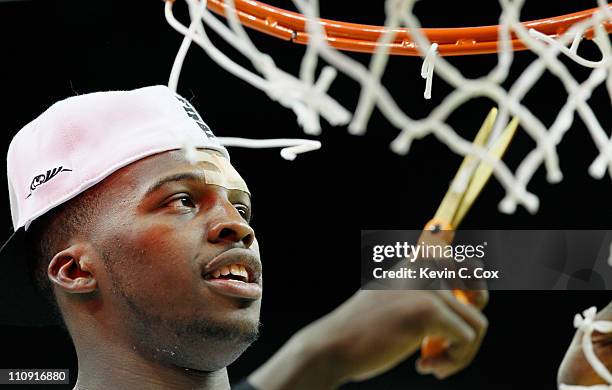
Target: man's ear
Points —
{"points": [[71, 270]]}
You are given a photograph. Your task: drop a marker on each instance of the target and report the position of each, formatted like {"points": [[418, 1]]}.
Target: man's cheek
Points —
{"points": [[154, 240], [161, 256]]}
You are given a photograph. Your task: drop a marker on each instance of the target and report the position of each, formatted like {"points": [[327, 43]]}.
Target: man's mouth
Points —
{"points": [[234, 273]]}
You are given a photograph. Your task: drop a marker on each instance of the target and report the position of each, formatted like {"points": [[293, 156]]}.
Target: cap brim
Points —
{"points": [[20, 302]]}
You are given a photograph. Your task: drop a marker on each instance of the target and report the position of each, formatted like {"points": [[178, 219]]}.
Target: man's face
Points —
{"points": [[165, 236]]}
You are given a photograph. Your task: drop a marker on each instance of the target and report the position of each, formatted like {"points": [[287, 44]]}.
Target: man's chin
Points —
{"points": [[227, 342], [205, 345], [242, 331], [204, 341], [233, 327]]}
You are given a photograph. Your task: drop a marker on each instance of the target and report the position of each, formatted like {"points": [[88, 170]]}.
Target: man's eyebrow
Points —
{"points": [[183, 176]]}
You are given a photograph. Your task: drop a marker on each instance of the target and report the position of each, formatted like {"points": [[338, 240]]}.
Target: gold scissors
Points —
{"points": [[467, 184]]}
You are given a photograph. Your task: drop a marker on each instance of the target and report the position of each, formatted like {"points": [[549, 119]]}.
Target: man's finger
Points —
{"points": [[464, 327], [440, 366], [475, 319], [450, 325]]}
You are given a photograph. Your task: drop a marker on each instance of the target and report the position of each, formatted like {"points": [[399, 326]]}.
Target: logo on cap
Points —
{"points": [[43, 178], [193, 114]]}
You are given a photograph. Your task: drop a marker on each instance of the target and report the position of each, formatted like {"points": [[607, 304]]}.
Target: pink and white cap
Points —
{"points": [[80, 141]]}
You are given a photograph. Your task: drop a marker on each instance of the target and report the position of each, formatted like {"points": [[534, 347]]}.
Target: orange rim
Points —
{"points": [[291, 26]]}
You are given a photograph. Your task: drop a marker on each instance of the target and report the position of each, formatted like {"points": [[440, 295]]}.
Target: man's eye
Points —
{"points": [[243, 210], [182, 202]]}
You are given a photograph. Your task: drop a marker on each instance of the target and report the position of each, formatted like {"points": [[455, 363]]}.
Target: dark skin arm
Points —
{"points": [[371, 333]]}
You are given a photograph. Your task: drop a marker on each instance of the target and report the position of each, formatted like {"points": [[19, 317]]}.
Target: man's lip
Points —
{"points": [[245, 257], [235, 288]]}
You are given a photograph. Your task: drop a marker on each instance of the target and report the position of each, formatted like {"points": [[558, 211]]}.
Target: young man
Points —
{"points": [[137, 230]]}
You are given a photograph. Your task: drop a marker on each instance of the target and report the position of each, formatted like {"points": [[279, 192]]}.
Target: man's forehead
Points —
{"points": [[210, 164]]}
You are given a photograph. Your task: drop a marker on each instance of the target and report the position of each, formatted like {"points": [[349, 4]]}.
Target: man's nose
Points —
{"points": [[231, 228]]}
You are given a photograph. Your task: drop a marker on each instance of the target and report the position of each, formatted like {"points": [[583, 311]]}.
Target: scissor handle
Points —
{"points": [[434, 346]]}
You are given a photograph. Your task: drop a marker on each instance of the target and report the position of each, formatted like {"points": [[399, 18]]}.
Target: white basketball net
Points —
{"points": [[307, 95], [588, 325]]}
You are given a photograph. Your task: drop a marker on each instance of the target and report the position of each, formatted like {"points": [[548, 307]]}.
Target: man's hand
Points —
{"points": [[575, 369], [372, 332]]}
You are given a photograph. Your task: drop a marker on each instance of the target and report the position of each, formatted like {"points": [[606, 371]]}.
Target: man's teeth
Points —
{"points": [[233, 269]]}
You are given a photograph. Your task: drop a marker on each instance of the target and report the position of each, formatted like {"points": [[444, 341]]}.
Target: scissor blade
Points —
{"points": [[455, 194], [484, 171]]}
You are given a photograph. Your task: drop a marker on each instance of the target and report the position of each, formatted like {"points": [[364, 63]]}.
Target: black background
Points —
{"points": [[308, 213]]}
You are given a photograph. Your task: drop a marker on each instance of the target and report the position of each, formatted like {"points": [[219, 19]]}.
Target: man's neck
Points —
{"points": [[114, 368]]}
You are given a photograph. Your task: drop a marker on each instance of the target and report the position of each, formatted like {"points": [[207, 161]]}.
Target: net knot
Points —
{"points": [[586, 319]]}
